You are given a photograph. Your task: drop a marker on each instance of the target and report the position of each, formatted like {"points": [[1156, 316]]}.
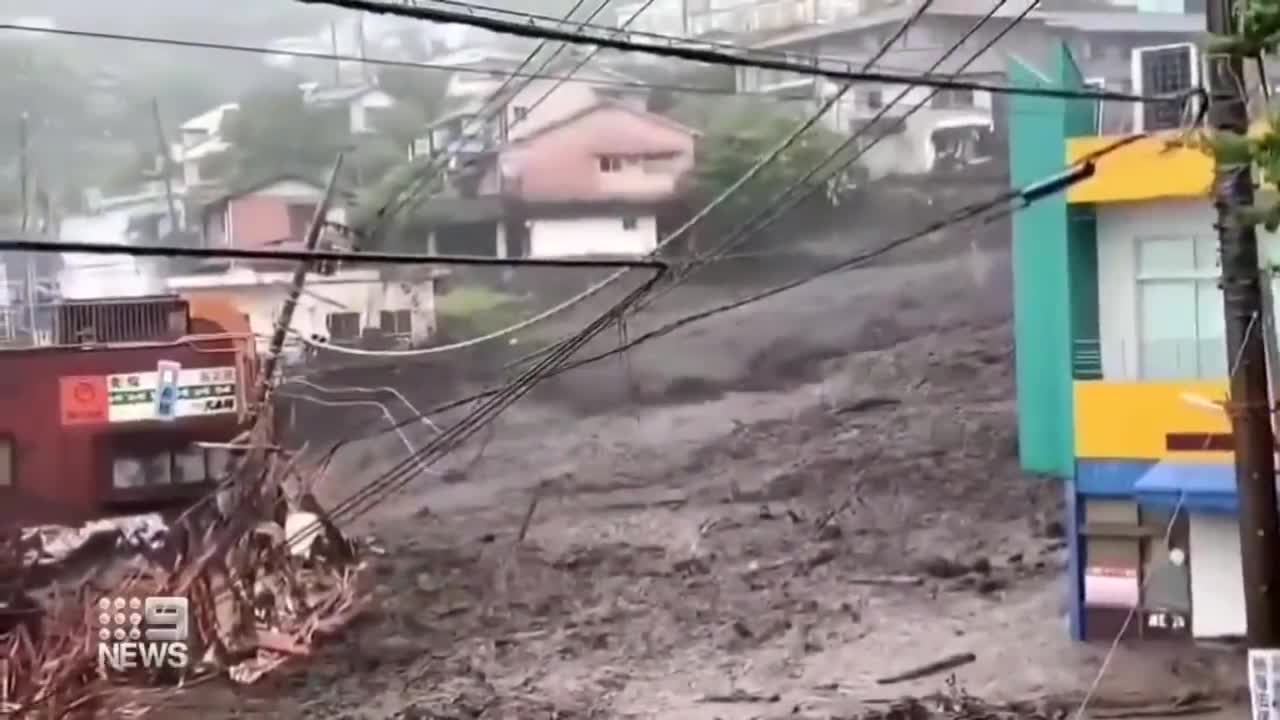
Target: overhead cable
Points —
{"points": [[396, 478], [493, 106], [178, 251], [721, 57], [769, 158], [778, 205]]}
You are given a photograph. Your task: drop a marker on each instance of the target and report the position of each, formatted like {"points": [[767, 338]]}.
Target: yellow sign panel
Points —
{"points": [[1135, 421], [1148, 169]]}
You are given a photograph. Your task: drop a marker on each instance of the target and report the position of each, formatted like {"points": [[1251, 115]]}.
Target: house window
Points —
{"points": [[630, 222], [875, 99], [396, 322], [953, 99], [343, 325], [300, 215], [1181, 329], [519, 112], [185, 466], [610, 163], [7, 467]]}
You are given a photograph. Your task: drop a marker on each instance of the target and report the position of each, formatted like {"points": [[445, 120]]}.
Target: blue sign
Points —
{"points": [[167, 373]]}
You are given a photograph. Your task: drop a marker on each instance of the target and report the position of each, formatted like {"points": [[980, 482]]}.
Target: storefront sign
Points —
{"points": [[1162, 623], [1264, 683], [83, 399], [1111, 587], [131, 397]]}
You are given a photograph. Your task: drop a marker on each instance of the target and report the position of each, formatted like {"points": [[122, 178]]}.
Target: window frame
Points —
{"points": [[1194, 277], [345, 315], [630, 223], [610, 164], [9, 445], [398, 329]]}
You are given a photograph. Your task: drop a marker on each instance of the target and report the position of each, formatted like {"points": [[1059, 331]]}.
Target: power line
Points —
{"points": [[772, 156], [414, 191], [384, 62], [780, 204], [392, 480], [175, 251], [717, 57], [1028, 195]]}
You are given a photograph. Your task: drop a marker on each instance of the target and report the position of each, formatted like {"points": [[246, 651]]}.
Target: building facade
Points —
{"points": [[1122, 369], [344, 307], [81, 433]]}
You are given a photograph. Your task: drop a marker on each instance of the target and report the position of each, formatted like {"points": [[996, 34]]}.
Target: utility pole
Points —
{"points": [[364, 50], [24, 169], [1249, 408], [29, 259], [337, 64], [166, 165], [285, 320]]}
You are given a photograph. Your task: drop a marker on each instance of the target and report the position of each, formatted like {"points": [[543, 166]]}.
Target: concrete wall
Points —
{"points": [[260, 295], [567, 237]]}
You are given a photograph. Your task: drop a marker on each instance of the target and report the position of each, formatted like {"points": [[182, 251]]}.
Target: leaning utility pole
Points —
{"points": [[284, 320], [166, 166], [1248, 407]]}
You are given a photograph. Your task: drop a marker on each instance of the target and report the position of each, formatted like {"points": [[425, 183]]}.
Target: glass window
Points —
{"points": [[7, 468], [189, 466], [1180, 317], [159, 469], [1159, 256], [218, 463], [127, 472]]}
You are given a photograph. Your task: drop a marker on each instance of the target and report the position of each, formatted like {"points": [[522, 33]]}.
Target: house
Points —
{"points": [[270, 212], [344, 306], [486, 110], [598, 181], [1121, 361], [361, 103], [82, 435], [200, 141], [961, 126]]}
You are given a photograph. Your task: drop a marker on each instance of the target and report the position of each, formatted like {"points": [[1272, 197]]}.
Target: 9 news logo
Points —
{"points": [[143, 633]]}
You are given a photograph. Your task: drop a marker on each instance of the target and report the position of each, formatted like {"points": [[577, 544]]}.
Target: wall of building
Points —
{"points": [[1122, 228], [260, 295], [1217, 595], [544, 102], [67, 468], [1052, 251], [568, 237], [564, 163]]}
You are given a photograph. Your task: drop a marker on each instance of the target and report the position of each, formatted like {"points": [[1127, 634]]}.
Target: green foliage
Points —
{"points": [[275, 133], [737, 134], [1259, 34]]}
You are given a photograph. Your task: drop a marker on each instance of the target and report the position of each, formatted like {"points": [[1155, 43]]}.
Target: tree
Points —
{"points": [[274, 133], [737, 134]]}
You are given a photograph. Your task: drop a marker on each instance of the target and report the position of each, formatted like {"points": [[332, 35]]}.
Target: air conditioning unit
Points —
{"points": [[1163, 70]]}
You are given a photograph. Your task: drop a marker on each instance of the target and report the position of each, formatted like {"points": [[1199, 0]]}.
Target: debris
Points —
{"points": [[904, 580], [263, 587], [1158, 711], [741, 696], [948, 663]]}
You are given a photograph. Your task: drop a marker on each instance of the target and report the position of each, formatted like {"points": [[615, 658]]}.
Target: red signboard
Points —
{"points": [[83, 399]]}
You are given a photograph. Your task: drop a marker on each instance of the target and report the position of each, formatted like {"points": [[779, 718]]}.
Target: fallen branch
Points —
{"points": [[741, 696], [947, 663], [902, 580]]}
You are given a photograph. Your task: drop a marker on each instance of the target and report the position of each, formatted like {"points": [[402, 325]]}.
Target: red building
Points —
{"points": [[81, 435]]}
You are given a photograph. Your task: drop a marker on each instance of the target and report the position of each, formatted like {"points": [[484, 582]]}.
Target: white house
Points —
{"points": [[342, 307], [362, 103]]}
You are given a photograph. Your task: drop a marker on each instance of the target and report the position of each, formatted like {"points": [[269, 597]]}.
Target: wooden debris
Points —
{"points": [[741, 696], [947, 663]]}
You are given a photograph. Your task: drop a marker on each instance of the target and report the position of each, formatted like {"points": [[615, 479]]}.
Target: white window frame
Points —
{"points": [[1135, 67], [1194, 277], [8, 462]]}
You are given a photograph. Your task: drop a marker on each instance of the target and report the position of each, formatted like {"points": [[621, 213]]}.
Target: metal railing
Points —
{"points": [[1086, 359]]}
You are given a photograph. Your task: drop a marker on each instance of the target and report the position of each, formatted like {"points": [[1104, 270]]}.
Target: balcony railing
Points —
{"points": [[1086, 359]]}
